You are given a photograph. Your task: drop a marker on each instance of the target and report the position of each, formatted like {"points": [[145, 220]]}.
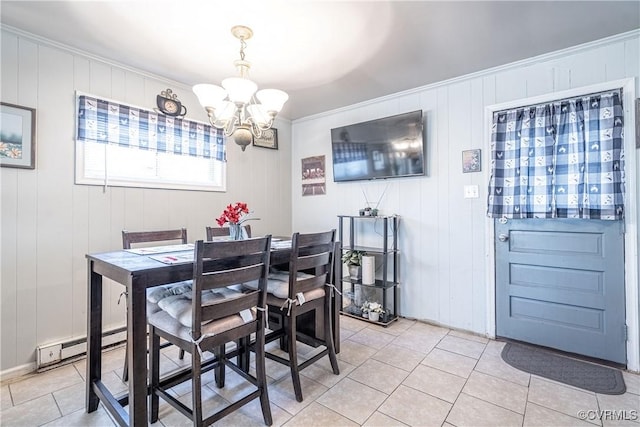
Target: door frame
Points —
{"points": [[632, 302]]}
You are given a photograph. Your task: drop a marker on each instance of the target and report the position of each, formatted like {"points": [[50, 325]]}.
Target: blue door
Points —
{"points": [[560, 284]]}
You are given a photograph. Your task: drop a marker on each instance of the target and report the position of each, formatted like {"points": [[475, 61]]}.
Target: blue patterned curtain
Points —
{"points": [[559, 160], [109, 122]]}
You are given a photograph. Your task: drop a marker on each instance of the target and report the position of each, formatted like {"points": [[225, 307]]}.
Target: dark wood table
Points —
{"points": [[137, 272]]}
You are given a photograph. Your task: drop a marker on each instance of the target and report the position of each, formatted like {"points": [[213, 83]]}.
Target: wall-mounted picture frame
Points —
{"points": [[17, 136], [313, 176], [471, 161], [269, 139]]}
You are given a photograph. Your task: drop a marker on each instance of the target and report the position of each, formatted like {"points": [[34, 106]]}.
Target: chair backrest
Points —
{"points": [[219, 264], [224, 231], [313, 254], [132, 237]]}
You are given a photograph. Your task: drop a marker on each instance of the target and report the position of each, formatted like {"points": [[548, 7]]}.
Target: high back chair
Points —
{"points": [[142, 237], [307, 286], [224, 231], [218, 315]]}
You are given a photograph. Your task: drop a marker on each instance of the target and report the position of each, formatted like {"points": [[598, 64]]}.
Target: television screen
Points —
{"points": [[390, 147]]}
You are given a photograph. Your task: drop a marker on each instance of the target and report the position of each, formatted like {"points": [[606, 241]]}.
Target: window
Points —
{"points": [[125, 146]]}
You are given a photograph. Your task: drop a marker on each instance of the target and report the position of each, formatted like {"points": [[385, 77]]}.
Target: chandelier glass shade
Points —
{"points": [[238, 106]]}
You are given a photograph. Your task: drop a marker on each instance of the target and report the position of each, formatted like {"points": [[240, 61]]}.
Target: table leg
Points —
{"points": [[137, 343], [94, 336]]}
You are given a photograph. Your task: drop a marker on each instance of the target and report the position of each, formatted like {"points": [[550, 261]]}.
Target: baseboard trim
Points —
{"points": [[10, 374]]}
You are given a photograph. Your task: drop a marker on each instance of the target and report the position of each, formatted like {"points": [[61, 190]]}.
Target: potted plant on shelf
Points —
{"points": [[353, 259], [375, 311], [365, 309]]}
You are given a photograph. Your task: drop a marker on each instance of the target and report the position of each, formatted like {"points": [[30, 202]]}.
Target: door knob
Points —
{"points": [[503, 237]]}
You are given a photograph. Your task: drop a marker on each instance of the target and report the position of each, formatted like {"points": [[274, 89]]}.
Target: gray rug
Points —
{"points": [[585, 375]]}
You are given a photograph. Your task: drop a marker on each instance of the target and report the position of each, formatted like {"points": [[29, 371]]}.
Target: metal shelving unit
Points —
{"points": [[385, 287]]}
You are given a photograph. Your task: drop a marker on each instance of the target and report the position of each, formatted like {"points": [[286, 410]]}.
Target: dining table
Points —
{"points": [[140, 269]]}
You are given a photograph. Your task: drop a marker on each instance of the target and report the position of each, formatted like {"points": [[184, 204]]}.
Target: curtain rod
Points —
{"points": [[618, 90]]}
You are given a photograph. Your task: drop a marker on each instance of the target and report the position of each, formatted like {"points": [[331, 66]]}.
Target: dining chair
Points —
{"points": [[305, 287], [224, 231], [216, 315], [159, 236]]}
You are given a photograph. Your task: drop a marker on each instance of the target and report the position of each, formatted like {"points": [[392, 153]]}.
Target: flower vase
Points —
{"points": [[235, 231], [374, 316]]}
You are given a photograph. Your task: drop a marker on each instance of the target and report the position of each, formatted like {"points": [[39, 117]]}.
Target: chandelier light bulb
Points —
{"points": [[240, 90], [272, 99], [209, 95], [259, 115]]}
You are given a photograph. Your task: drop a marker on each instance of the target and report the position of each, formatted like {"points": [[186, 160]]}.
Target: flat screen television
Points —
{"points": [[390, 147]]}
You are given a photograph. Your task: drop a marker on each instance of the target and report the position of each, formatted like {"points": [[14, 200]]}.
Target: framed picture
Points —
{"points": [[471, 161], [269, 139], [313, 176], [17, 136]]}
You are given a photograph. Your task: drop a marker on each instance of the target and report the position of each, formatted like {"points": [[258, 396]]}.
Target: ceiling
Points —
{"points": [[325, 54]]}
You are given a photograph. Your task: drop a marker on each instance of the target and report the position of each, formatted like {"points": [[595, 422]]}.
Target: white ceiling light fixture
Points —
{"points": [[233, 106]]}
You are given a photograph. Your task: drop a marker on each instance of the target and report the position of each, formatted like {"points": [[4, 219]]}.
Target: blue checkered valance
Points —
{"points": [[564, 159], [111, 122]]}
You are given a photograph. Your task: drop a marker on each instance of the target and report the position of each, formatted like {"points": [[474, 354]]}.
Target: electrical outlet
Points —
{"points": [[470, 191], [49, 354]]}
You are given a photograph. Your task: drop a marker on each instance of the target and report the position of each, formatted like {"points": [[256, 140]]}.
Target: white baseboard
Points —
{"points": [[17, 372], [71, 350]]}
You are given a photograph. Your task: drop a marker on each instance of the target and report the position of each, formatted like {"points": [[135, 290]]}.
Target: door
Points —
{"points": [[560, 284]]}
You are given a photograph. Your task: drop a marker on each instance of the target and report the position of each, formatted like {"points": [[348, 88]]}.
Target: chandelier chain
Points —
{"points": [[243, 44]]}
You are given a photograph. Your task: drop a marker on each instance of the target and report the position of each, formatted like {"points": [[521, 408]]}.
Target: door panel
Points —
{"points": [[560, 284]]}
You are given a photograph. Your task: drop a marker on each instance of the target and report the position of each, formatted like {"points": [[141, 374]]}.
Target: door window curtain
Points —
{"points": [[110, 122], [563, 159]]}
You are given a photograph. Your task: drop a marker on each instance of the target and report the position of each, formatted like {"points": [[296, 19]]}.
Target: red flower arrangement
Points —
{"points": [[233, 214]]}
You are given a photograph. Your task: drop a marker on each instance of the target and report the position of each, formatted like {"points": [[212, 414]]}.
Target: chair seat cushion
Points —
{"points": [[163, 320], [180, 306], [277, 283], [154, 295]]}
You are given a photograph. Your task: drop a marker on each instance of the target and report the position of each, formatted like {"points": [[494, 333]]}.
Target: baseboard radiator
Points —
{"points": [[53, 355]]}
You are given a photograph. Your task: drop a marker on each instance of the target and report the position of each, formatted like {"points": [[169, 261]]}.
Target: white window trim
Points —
{"points": [[107, 181]]}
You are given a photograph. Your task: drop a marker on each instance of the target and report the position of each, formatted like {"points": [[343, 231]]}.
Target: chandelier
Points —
{"points": [[233, 106]]}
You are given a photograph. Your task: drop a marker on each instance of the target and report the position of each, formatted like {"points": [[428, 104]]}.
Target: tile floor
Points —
{"points": [[409, 374]]}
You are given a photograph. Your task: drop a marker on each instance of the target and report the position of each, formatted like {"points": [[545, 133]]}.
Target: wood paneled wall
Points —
{"points": [[49, 223], [443, 236]]}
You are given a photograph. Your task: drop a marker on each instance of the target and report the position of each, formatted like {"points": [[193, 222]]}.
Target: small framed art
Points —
{"points": [[471, 161], [269, 139], [17, 136]]}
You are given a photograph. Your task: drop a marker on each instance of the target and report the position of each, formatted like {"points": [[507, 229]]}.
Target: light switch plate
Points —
{"points": [[470, 191]]}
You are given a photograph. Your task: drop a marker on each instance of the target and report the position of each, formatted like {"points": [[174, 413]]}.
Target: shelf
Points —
{"points": [[370, 249], [378, 284], [355, 312], [383, 245], [369, 217]]}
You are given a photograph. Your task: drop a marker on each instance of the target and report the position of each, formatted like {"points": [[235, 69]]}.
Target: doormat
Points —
{"points": [[585, 375]]}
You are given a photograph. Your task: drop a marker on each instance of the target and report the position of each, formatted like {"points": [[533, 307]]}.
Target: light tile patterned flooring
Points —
{"points": [[409, 374]]}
